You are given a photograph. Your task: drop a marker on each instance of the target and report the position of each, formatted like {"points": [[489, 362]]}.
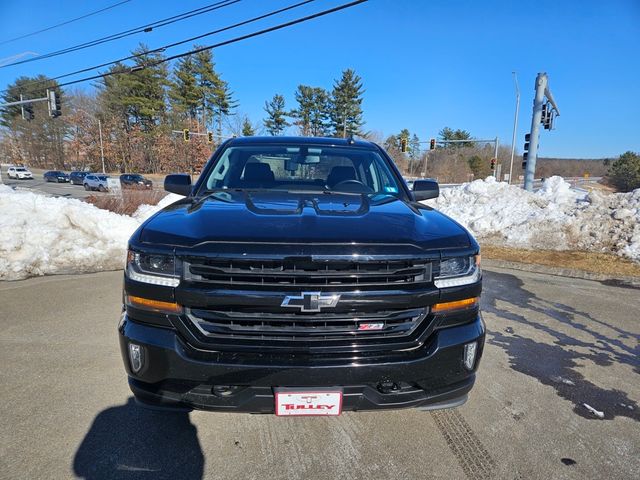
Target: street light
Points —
{"points": [[515, 126]]}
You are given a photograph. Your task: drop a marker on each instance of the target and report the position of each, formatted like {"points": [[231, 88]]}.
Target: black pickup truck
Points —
{"points": [[300, 276]]}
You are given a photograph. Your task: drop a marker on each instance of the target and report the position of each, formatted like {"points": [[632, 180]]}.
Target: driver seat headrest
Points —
{"points": [[340, 174], [258, 175]]}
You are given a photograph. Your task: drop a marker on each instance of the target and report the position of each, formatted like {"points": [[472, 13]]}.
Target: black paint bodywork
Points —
{"points": [[183, 368]]}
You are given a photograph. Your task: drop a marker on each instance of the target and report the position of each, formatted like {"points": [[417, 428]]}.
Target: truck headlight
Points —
{"points": [[156, 269], [458, 271]]}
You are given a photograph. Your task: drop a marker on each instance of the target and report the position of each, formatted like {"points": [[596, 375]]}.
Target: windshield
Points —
{"points": [[302, 167], [102, 177], [137, 178], [21, 169]]}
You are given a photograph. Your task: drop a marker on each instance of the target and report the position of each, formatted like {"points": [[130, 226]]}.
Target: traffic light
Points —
{"points": [[403, 144], [209, 137], [27, 112], [185, 135], [55, 108], [493, 164], [432, 144], [545, 113], [525, 154], [548, 125]]}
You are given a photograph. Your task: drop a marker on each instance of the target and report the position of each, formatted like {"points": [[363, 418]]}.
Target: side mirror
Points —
{"points": [[179, 183], [425, 189]]}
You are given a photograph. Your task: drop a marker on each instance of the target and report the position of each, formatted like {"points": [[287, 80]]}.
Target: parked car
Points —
{"points": [[135, 180], [20, 173], [300, 276], [95, 181], [77, 178], [55, 176]]}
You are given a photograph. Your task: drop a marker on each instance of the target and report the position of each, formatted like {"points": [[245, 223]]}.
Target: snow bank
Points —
{"points": [[555, 217], [42, 235]]}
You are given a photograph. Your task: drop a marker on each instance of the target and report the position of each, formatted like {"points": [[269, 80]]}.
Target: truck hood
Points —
{"points": [[305, 218]]}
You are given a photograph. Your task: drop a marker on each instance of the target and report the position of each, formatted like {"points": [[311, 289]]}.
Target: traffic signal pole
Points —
{"points": [[542, 91], [51, 99], [541, 84]]}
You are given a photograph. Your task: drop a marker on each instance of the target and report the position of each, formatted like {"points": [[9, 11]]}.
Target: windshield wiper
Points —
{"points": [[216, 194]]}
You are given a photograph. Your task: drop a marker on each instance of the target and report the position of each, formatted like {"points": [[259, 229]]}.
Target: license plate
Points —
{"points": [[308, 402]]}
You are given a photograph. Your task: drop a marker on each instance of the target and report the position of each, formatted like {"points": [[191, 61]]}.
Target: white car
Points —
{"points": [[19, 172], [95, 181]]}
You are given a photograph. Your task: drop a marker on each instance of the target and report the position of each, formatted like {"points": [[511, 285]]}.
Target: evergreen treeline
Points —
{"points": [[141, 114]]}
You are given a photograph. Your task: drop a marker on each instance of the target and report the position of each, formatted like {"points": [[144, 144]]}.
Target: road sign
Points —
{"points": [[113, 184]]}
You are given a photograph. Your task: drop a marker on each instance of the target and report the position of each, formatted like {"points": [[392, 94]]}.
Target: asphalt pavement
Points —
{"points": [[554, 345], [55, 189]]}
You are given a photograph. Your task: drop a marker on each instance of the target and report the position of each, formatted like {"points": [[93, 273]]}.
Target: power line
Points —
{"points": [[63, 23], [220, 44], [142, 29], [165, 47]]}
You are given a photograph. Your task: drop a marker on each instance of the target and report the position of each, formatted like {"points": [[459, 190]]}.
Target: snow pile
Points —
{"points": [[42, 235], [554, 218]]}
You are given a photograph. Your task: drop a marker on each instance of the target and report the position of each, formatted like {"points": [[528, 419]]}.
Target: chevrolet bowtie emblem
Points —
{"points": [[311, 301]]}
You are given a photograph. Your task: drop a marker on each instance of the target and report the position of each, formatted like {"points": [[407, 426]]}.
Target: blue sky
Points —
{"points": [[425, 64]]}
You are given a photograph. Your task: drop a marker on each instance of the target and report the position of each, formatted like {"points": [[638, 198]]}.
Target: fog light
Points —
{"points": [[470, 355], [136, 356]]}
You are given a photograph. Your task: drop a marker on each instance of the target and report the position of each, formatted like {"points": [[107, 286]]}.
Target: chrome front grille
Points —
{"points": [[305, 328], [305, 272]]}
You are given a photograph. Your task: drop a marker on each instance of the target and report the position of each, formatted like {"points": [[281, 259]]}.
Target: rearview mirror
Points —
{"points": [[425, 189], [179, 183]]}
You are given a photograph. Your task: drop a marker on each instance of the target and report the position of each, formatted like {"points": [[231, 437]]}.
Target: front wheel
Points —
{"points": [[102, 188]]}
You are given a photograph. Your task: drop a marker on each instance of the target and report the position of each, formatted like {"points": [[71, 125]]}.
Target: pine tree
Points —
{"points": [[139, 96], [184, 92], [346, 105], [414, 147], [275, 123], [449, 134], [215, 95], [39, 142], [247, 128], [625, 172], [302, 115], [312, 114]]}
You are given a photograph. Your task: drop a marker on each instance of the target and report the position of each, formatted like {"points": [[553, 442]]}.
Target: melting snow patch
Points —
{"points": [[566, 381], [597, 413], [556, 217], [42, 235]]}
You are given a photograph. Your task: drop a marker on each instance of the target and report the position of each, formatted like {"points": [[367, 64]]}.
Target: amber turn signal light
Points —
{"points": [[455, 305], [153, 305]]}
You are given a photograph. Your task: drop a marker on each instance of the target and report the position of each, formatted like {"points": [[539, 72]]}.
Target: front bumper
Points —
{"points": [[177, 375]]}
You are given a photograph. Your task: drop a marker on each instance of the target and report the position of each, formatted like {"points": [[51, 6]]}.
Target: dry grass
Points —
{"points": [[602, 263], [129, 202]]}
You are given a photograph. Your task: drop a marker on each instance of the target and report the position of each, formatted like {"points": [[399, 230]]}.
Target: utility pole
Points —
{"points": [[495, 155], [542, 91], [101, 147], [515, 125]]}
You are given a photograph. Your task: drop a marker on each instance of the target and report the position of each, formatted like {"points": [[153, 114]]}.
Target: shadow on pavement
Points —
{"points": [[128, 441], [557, 363]]}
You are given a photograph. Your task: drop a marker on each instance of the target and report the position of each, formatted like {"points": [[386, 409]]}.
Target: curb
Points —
{"points": [[620, 281]]}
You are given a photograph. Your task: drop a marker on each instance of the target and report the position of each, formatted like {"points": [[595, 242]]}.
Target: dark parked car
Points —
{"points": [[300, 276], [55, 176], [134, 180], [77, 178]]}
